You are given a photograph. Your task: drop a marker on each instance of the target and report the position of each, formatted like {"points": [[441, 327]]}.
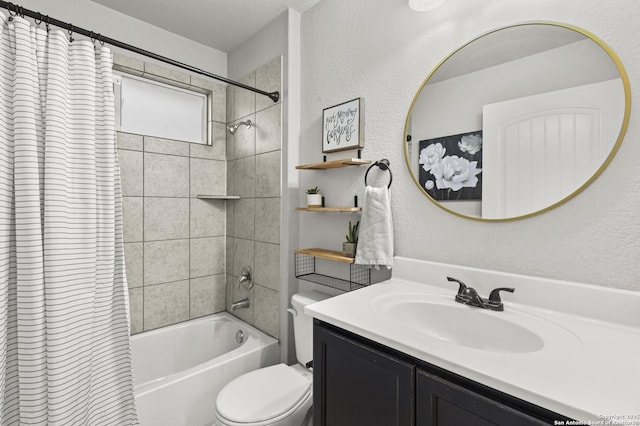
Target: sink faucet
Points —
{"points": [[469, 296]]}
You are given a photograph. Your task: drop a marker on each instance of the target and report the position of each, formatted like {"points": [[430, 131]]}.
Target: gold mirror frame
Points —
{"points": [[623, 129]]}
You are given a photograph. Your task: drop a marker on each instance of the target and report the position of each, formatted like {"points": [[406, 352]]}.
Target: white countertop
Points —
{"points": [[587, 369]]}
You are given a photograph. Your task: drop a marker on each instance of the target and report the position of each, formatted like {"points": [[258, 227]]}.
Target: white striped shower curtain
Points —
{"points": [[64, 337]]}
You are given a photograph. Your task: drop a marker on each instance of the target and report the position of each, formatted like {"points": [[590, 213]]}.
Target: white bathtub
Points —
{"points": [[179, 369]]}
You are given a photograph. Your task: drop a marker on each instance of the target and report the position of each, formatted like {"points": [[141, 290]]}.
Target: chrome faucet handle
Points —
{"points": [[494, 296], [245, 278], [462, 287]]}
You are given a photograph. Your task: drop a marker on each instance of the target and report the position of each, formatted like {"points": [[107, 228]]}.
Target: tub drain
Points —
{"points": [[239, 337]]}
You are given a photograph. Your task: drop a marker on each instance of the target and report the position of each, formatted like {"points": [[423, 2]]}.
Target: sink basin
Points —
{"points": [[440, 317]]}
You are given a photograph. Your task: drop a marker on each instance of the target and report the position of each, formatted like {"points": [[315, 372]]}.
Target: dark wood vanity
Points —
{"points": [[359, 382]]}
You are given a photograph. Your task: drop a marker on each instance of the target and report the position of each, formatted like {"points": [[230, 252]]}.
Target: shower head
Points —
{"points": [[234, 129]]}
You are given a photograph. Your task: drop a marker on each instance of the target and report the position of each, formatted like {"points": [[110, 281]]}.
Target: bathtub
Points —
{"points": [[178, 370]]}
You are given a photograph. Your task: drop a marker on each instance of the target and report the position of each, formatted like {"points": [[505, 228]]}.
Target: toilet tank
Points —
{"points": [[303, 324]]}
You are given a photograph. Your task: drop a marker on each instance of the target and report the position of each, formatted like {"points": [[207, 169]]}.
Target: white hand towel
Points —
{"points": [[375, 239]]}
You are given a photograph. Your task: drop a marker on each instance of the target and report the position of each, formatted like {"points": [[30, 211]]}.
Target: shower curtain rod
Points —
{"points": [[40, 18]]}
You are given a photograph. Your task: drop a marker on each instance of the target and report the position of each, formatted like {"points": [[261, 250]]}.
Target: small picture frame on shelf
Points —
{"points": [[343, 126]]}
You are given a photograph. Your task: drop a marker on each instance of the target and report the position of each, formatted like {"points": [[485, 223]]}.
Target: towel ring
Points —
{"points": [[383, 165]]}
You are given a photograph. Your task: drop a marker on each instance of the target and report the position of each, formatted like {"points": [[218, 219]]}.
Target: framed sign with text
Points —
{"points": [[343, 126]]}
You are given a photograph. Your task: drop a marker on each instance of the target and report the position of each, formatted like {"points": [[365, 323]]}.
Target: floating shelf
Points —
{"points": [[334, 164], [329, 209], [218, 197], [326, 254]]}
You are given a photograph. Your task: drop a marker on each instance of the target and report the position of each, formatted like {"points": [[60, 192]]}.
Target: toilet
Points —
{"points": [[279, 395]]}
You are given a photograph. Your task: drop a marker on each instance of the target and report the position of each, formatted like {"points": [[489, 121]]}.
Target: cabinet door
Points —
{"points": [[355, 385], [441, 403]]}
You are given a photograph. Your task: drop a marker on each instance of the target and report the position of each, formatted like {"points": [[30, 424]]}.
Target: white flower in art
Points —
{"points": [[455, 173], [470, 143], [431, 155], [429, 185]]}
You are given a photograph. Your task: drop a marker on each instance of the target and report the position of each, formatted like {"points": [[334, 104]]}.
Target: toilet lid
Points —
{"points": [[262, 394]]}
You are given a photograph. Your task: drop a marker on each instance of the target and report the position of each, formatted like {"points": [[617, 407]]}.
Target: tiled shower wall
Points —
{"points": [[174, 242], [254, 173]]}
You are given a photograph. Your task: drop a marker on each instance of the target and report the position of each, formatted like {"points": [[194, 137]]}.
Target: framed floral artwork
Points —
{"points": [[451, 166]]}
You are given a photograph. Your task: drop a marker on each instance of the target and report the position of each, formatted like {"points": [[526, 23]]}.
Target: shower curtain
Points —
{"points": [[64, 337]]}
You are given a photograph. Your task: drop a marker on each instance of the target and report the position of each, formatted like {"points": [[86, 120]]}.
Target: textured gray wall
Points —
{"points": [[382, 51]]}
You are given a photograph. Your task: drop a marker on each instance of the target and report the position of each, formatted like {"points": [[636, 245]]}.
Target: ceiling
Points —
{"points": [[221, 24]]}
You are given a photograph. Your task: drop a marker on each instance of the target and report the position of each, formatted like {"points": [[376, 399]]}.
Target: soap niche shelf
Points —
{"points": [[305, 259], [218, 197]]}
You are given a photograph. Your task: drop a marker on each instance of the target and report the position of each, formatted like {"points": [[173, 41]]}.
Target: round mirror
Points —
{"points": [[517, 121]]}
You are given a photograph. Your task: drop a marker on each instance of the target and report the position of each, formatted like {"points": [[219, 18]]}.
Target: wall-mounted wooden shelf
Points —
{"points": [[326, 254], [334, 164], [329, 209], [218, 197]]}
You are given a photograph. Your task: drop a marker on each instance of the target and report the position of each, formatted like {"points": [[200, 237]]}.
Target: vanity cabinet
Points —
{"points": [[440, 402], [354, 384], [360, 382]]}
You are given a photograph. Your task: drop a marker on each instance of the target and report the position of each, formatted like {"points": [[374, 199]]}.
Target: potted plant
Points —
{"points": [[314, 197], [349, 247]]}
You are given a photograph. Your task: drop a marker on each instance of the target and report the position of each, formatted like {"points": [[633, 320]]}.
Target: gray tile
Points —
{"points": [[136, 310], [268, 170], [166, 73], [218, 97], [207, 177], [244, 140], [166, 261], [166, 304], [129, 141], [231, 208], [131, 172], [243, 254], [266, 313], [207, 295], [219, 103], [132, 219], [229, 255], [244, 218], [268, 221], [166, 146], [233, 295], [231, 165], [267, 271], [268, 130], [133, 263], [245, 100], [269, 78], [231, 101], [231, 146], [207, 218], [202, 84], [166, 175], [166, 218], [121, 61], [218, 148], [244, 177], [207, 256]]}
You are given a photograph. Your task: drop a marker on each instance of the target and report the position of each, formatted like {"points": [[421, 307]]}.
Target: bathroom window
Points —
{"points": [[148, 107]]}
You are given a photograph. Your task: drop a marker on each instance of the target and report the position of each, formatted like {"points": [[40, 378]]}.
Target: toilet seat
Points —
{"points": [[264, 396]]}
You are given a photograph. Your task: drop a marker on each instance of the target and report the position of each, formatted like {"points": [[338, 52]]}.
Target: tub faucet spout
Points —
{"points": [[244, 303]]}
